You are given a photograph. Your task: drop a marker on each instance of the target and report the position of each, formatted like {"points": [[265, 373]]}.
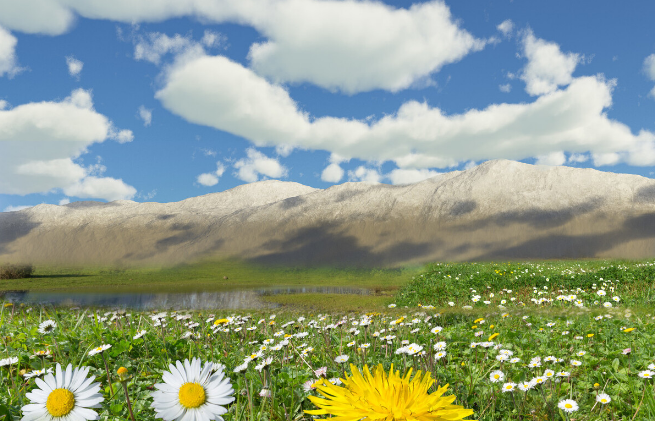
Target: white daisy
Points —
{"points": [[191, 392], [47, 326], [99, 350], [138, 335], [68, 394], [568, 405], [341, 359], [496, 376], [509, 387], [603, 398]]}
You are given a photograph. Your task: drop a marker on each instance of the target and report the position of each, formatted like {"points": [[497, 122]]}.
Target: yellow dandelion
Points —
{"points": [[220, 322], [628, 330], [492, 337], [382, 396]]}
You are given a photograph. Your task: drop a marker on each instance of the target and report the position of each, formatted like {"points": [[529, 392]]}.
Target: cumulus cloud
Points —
{"points": [[106, 188], [8, 64], [578, 158], [15, 208], [333, 173], [374, 46], [366, 175], [64, 201], [506, 27], [409, 176], [39, 141], [145, 115], [211, 179], [351, 46], [74, 66], [505, 88], [216, 92], [249, 169], [649, 69], [153, 46], [553, 159], [547, 67]]}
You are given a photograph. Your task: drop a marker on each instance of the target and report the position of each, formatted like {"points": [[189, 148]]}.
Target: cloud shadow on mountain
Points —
{"points": [[580, 246], [12, 227], [534, 217], [324, 245]]}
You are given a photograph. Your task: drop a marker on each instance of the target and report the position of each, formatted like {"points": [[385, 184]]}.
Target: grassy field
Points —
{"points": [[515, 341], [206, 276]]}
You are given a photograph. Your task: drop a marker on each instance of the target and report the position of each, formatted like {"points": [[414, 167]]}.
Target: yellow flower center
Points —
{"points": [[60, 402], [496, 376], [603, 400], [568, 406], [191, 395], [121, 371]]}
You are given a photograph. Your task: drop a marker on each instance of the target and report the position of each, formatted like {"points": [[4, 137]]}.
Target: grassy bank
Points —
{"points": [[206, 276], [459, 284]]}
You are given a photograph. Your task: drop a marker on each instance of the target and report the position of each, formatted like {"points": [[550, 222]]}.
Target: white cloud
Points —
{"points": [[211, 179], [373, 46], [64, 201], [212, 39], [257, 163], [8, 63], [607, 158], [469, 165], [649, 69], [556, 158], [283, 150], [15, 208], [106, 188], [506, 27], [74, 66], [366, 175], [578, 158], [219, 93], [155, 45], [405, 176], [39, 141], [146, 115], [649, 66], [333, 173], [547, 67], [207, 179], [505, 88], [352, 46], [120, 136]]}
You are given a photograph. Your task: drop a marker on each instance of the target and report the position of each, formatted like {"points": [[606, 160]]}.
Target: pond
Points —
{"points": [[232, 299]]}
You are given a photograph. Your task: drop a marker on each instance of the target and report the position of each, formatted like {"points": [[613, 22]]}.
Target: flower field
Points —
{"points": [[570, 347]]}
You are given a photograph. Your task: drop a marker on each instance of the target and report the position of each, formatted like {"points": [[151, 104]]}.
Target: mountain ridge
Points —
{"points": [[499, 209]]}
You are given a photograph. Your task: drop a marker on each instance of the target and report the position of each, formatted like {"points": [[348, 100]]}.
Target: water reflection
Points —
{"points": [[234, 299]]}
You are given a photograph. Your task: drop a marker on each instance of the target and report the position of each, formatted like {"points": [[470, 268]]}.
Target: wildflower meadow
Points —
{"points": [[529, 341]]}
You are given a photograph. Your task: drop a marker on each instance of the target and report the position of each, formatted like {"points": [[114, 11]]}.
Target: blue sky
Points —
{"points": [[161, 101]]}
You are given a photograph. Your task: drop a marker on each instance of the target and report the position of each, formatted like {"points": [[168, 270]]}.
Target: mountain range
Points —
{"points": [[498, 210]]}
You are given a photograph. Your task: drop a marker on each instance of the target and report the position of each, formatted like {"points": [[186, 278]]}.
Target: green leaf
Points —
{"points": [[5, 415], [116, 408], [615, 364]]}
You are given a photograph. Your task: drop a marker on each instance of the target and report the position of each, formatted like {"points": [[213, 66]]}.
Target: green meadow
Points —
{"points": [[543, 340]]}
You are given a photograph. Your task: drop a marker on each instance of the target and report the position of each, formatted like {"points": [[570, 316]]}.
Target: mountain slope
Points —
{"points": [[498, 210]]}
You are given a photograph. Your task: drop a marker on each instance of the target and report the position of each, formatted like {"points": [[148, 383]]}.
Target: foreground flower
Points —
{"points": [[47, 327], [568, 405], [68, 395], [192, 392], [603, 398], [382, 396]]}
